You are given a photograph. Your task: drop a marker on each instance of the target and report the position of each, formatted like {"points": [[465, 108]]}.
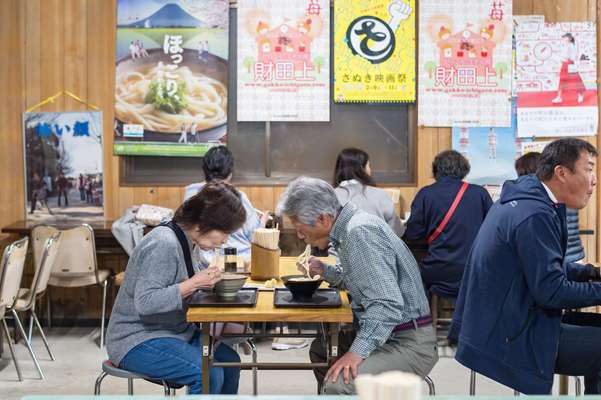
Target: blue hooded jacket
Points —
{"points": [[515, 285]]}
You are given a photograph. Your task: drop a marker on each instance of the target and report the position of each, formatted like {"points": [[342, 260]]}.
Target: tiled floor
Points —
{"points": [[78, 360]]}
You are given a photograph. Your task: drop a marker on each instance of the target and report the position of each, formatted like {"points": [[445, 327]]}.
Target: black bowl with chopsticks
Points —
{"points": [[301, 287]]}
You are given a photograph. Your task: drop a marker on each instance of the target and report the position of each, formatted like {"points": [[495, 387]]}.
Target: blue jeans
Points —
{"points": [[179, 362], [579, 350]]}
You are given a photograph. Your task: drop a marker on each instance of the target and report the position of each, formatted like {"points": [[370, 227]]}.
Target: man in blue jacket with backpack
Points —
{"points": [[509, 319]]}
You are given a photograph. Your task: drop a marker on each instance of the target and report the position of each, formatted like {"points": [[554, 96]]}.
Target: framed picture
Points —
{"points": [[63, 166]]}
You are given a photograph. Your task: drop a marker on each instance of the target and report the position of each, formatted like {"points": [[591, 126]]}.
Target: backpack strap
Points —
{"points": [[449, 214], [183, 242]]}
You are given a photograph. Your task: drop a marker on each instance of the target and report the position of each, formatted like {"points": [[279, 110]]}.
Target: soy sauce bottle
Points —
{"points": [[230, 259]]}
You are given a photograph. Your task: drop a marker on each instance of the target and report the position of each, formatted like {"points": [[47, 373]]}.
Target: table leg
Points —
{"points": [[206, 352], [334, 331]]}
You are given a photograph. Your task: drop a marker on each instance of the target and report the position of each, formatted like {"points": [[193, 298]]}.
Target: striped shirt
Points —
{"points": [[380, 274]]}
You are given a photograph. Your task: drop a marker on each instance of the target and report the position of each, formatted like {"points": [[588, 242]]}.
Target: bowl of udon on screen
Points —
{"points": [[301, 287], [152, 93]]}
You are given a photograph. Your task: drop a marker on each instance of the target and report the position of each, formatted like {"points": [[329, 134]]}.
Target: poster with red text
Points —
{"points": [[465, 63], [283, 60], [556, 72]]}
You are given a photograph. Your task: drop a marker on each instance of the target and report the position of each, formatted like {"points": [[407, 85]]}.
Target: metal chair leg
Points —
{"points": [[48, 307], [472, 382], [12, 350], [430, 383], [31, 353], [37, 322], [577, 386], [104, 285], [253, 350], [30, 325], [130, 386], [166, 389], [99, 382]]}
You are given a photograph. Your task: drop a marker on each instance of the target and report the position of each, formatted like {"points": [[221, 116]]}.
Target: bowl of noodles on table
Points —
{"points": [[143, 95]]}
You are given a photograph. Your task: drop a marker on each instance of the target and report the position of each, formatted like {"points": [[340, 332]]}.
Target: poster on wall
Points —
{"points": [[534, 146], [171, 77], [374, 51], [520, 20], [556, 72], [63, 166], [465, 63], [283, 60], [491, 151]]}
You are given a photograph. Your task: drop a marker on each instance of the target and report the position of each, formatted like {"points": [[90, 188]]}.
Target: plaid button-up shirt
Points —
{"points": [[379, 272]]}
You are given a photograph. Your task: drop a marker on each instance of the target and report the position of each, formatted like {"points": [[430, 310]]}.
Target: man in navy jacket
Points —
{"points": [[508, 319]]}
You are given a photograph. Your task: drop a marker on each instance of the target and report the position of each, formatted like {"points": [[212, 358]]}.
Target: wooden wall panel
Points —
{"points": [[70, 44], [11, 81]]}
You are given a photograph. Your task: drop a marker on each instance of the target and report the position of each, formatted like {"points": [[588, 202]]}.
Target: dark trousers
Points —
{"points": [[82, 194], [579, 351], [62, 193]]}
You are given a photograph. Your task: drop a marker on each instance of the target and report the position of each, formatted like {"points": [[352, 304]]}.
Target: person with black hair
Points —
{"points": [[148, 332], [447, 214], [218, 166], [353, 183], [509, 319], [527, 164]]}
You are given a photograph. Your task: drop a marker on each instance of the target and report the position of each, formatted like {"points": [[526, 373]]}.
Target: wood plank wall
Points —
{"points": [[51, 45]]}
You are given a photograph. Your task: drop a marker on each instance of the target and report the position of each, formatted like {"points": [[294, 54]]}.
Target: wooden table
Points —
{"points": [[264, 311]]}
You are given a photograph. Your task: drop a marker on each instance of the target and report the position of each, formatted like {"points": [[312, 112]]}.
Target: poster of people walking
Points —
{"points": [[556, 78], [171, 77], [63, 165], [465, 63]]}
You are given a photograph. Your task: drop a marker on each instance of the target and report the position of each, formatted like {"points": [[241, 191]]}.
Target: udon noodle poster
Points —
{"points": [[374, 51], [556, 78], [171, 81], [283, 60], [465, 58]]}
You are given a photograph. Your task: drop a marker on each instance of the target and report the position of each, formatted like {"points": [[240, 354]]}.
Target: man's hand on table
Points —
{"points": [[349, 362]]}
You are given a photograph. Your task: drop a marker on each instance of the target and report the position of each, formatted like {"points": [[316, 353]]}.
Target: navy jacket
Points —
{"points": [[575, 251], [507, 318], [442, 268]]}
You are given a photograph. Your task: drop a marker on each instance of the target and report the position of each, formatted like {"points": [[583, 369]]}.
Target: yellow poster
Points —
{"points": [[374, 51]]}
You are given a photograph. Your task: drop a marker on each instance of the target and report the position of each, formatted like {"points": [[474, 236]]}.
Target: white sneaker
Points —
{"points": [[580, 98], [557, 100], [288, 343]]}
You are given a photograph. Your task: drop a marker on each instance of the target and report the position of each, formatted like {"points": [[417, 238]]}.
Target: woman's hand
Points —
{"points": [[264, 217], [205, 279]]}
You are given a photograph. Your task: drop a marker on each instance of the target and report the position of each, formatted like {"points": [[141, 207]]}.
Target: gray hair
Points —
{"points": [[307, 198]]}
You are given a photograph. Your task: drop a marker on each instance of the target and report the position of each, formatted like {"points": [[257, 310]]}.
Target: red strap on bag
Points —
{"points": [[449, 214]]}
